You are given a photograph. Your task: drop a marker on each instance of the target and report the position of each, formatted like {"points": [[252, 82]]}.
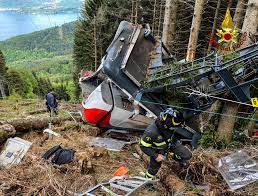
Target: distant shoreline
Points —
{"points": [[41, 10], [14, 23], [2, 9]]}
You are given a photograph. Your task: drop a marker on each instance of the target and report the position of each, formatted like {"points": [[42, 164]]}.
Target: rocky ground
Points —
{"points": [[35, 176]]}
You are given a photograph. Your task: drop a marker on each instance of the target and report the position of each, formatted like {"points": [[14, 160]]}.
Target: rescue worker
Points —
{"points": [[160, 140], [51, 102]]}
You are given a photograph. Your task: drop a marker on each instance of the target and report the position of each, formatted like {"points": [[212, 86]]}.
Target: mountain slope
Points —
{"points": [[47, 43], [47, 52]]}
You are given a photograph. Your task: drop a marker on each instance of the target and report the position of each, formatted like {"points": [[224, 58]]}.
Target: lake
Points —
{"points": [[14, 23]]}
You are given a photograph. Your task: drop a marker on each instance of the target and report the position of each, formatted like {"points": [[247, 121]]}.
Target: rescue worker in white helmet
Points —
{"points": [[159, 140]]}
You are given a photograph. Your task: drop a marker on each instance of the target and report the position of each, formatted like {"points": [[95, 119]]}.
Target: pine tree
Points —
{"points": [[195, 28], [250, 24], [16, 83], [239, 13], [3, 69], [169, 25], [94, 32]]}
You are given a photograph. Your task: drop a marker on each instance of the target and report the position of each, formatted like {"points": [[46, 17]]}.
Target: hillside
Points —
{"points": [[47, 52]]}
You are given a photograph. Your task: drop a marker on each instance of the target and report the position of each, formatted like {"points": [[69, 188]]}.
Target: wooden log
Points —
{"points": [[28, 124], [144, 157], [174, 184], [6, 131]]}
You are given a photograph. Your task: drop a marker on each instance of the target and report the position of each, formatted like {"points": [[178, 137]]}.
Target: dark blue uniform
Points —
{"points": [[157, 140], [51, 102]]}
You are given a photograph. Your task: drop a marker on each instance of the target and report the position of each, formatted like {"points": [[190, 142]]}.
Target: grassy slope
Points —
{"points": [[47, 52]]}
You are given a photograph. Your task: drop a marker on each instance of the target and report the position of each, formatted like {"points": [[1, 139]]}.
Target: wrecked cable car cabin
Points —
{"points": [[135, 82]]}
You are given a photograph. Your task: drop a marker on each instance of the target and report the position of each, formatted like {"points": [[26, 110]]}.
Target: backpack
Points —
{"points": [[59, 155]]}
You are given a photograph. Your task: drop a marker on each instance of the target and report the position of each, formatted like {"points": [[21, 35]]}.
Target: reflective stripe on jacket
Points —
{"points": [[153, 143]]}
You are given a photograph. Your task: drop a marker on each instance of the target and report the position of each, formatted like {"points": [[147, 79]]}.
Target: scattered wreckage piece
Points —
{"points": [[123, 186], [108, 143], [50, 132], [238, 169], [14, 151]]}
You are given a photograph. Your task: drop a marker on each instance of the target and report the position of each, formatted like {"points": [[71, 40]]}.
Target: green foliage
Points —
{"points": [[17, 83], [3, 71], [211, 138], [47, 43], [43, 87], [62, 91], [14, 96], [46, 53], [3, 67]]}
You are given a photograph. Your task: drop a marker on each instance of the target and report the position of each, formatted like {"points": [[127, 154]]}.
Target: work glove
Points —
{"points": [[160, 158]]}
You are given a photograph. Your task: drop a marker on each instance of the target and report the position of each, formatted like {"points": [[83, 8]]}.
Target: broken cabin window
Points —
{"points": [[106, 94], [121, 99]]}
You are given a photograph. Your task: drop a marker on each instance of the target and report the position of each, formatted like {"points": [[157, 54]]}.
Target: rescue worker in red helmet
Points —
{"points": [[159, 139]]}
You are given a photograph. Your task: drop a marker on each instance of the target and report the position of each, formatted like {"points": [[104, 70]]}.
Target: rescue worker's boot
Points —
{"points": [[150, 186], [149, 176], [182, 163]]}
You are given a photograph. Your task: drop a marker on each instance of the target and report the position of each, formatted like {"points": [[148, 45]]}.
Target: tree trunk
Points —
{"points": [[95, 43], [226, 124], [251, 20], [195, 28], [154, 17], [252, 125], [25, 125], [215, 21], [239, 13], [169, 25], [2, 90]]}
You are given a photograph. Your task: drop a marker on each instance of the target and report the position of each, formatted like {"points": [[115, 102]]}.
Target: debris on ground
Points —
{"points": [[120, 186], [59, 155], [6, 131], [91, 165], [202, 176], [238, 169], [96, 165], [14, 151], [108, 143]]}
